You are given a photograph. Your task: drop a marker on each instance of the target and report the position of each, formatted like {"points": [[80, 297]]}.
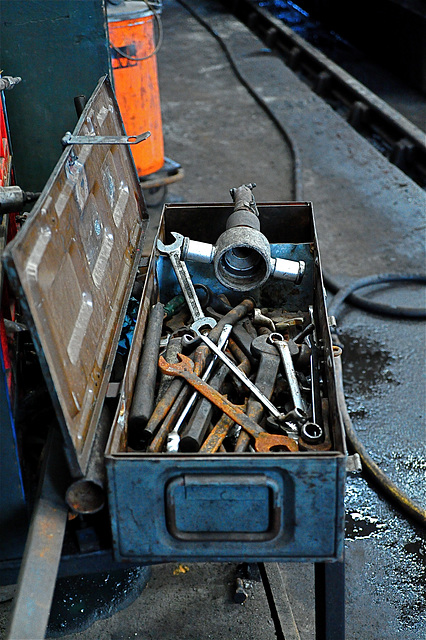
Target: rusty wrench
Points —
{"points": [[173, 439], [264, 441], [280, 417], [174, 251]]}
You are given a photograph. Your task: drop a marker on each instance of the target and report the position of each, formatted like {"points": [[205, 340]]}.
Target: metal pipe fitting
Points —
{"points": [[13, 199], [242, 255], [288, 269]]}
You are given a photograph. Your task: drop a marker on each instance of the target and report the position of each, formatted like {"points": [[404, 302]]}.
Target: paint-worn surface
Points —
{"points": [[62, 53], [73, 265]]}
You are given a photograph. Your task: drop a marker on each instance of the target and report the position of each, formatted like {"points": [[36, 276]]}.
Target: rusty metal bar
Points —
{"points": [[37, 577]]}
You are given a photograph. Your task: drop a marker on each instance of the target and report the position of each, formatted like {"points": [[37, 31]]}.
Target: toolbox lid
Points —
{"points": [[73, 264]]}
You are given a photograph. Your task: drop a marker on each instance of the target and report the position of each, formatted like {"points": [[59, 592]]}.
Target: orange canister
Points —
{"points": [[134, 64]]}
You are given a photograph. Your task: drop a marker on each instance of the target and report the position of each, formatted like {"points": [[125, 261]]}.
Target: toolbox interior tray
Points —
{"points": [[230, 506]]}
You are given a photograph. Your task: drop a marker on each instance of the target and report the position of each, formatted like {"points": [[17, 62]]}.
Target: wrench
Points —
{"points": [[219, 432], [264, 441], [173, 439], [311, 432], [174, 251], [246, 381], [277, 340], [267, 371]]}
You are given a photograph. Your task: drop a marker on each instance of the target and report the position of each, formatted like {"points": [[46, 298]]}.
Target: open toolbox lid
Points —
{"points": [[73, 264]]}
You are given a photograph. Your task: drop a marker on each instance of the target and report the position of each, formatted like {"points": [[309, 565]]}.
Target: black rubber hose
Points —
{"points": [[381, 479], [384, 484], [346, 294]]}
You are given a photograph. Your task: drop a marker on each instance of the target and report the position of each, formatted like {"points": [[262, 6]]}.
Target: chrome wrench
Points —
{"points": [[310, 431], [174, 252], [280, 417], [283, 349], [173, 438]]}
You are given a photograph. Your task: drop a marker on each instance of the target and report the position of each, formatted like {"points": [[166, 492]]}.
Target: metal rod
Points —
{"points": [[233, 367], [39, 568]]}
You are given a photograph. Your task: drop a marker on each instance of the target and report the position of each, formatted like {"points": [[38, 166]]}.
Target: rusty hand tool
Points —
{"points": [[280, 417], [174, 252], [171, 403], [217, 435], [173, 438], [197, 426], [200, 357], [143, 394], [194, 433], [264, 441], [160, 437], [173, 347], [219, 432]]}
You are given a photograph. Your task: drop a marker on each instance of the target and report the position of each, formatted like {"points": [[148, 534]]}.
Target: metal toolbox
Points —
{"points": [[231, 506], [73, 265]]}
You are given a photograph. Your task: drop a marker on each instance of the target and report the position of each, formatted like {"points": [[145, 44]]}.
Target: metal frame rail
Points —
{"points": [[400, 141], [329, 593]]}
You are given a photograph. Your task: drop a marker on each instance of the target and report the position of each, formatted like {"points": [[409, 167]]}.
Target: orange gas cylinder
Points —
{"points": [[134, 64]]}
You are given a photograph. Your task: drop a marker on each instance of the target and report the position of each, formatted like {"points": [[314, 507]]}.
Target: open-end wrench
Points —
{"points": [[174, 252], [264, 441], [311, 432], [173, 438], [219, 432], [280, 417], [267, 371], [277, 340]]}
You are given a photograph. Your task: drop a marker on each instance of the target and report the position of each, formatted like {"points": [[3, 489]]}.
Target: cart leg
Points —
{"points": [[330, 601]]}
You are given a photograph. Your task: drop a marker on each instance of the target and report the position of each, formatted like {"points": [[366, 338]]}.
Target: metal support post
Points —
{"points": [[330, 600], [37, 577]]}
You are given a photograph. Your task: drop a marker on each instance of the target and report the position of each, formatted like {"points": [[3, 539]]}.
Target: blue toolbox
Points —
{"points": [[255, 468], [234, 505]]}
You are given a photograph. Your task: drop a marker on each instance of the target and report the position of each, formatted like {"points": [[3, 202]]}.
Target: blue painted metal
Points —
{"points": [[233, 507], [13, 513], [300, 491]]}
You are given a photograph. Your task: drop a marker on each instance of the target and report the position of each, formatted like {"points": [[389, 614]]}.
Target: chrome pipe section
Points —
{"points": [[288, 269]]}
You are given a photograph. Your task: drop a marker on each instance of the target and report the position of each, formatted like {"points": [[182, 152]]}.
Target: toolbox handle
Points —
{"points": [[266, 492]]}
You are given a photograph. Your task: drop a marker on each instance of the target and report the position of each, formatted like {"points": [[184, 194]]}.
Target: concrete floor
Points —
{"points": [[370, 219]]}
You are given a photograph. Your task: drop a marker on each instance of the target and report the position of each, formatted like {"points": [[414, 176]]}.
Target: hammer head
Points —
{"points": [[178, 368]]}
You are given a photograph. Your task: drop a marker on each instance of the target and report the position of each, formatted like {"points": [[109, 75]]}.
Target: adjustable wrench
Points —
{"points": [[264, 441], [174, 252]]}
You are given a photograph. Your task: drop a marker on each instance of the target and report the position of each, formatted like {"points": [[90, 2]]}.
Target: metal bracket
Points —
{"points": [[353, 464], [69, 139]]}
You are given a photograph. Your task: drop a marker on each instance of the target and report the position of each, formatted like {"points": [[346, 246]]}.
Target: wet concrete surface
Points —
{"points": [[370, 219]]}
